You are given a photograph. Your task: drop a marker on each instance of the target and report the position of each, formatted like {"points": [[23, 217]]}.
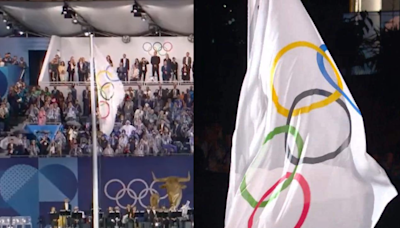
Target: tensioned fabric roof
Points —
{"points": [[114, 17]]}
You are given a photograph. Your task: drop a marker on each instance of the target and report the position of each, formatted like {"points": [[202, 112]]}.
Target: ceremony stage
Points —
{"points": [[31, 186]]}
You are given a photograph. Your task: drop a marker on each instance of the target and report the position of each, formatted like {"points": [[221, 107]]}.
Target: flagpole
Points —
{"points": [[94, 140]]}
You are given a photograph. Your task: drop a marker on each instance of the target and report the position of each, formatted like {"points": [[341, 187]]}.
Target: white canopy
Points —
{"points": [[114, 17]]}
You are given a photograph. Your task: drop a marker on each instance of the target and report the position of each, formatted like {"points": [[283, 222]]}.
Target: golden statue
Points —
{"points": [[174, 188], [154, 200]]}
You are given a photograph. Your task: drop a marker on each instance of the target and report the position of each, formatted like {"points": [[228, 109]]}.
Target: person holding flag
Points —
{"points": [[299, 149]]}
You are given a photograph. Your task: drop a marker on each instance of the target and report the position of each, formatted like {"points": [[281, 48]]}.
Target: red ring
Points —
{"points": [[108, 105], [169, 44], [306, 193]]}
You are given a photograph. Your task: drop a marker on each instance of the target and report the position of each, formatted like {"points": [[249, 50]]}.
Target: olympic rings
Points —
{"points": [[131, 193], [165, 46], [321, 66], [336, 95], [157, 46], [107, 74], [161, 49], [103, 94], [279, 130], [306, 195], [147, 46], [102, 103], [313, 160]]}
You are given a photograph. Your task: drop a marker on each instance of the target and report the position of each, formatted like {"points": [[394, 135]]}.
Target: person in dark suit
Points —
{"points": [[174, 93], [122, 72], [125, 63], [166, 72], [174, 69], [86, 101], [155, 65], [169, 61], [83, 70], [71, 69], [188, 61], [11, 147], [143, 69]]}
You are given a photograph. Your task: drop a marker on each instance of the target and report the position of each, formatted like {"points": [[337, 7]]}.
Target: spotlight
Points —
{"points": [[87, 33], [65, 9], [9, 26], [21, 33], [5, 20], [74, 21], [143, 17], [135, 8]]}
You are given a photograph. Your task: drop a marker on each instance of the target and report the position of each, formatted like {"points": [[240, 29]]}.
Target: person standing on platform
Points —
{"points": [[143, 69], [155, 65]]}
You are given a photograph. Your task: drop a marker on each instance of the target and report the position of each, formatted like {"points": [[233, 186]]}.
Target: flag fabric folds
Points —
{"points": [[299, 149], [110, 92]]}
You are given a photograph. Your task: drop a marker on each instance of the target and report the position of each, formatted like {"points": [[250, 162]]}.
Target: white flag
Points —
{"points": [[110, 92], [299, 151]]}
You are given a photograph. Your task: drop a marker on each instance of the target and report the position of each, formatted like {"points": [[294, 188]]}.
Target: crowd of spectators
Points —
{"points": [[167, 69], [147, 123], [7, 60]]}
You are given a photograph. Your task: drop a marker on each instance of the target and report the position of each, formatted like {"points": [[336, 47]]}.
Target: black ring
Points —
{"points": [[314, 160], [102, 92]]}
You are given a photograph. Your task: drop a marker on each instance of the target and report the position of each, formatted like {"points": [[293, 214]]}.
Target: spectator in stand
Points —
{"points": [[53, 70], [155, 65], [187, 60], [125, 64], [135, 71], [71, 69], [14, 61], [83, 70], [122, 73], [4, 113], [108, 151], [1, 62], [33, 149], [62, 71], [143, 69], [22, 63], [42, 116], [185, 73], [86, 101], [33, 113], [44, 144], [174, 69], [166, 72], [7, 59], [109, 60]]}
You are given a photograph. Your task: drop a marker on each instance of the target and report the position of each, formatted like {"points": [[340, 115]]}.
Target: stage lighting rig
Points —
{"points": [[67, 11], [137, 10]]}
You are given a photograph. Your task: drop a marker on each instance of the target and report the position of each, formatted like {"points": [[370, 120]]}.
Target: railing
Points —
{"points": [[129, 83], [89, 155]]}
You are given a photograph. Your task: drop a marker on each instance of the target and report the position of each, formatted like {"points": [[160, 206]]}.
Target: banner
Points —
{"points": [[31, 186], [39, 130], [129, 180]]}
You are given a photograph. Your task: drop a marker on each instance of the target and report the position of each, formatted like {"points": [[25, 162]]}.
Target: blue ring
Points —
{"points": [[108, 77], [321, 66]]}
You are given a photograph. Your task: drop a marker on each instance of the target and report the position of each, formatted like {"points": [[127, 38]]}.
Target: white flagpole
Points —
{"points": [[94, 140]]}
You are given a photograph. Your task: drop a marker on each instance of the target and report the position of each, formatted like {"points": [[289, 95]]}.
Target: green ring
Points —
{"points": [[299, 143]]}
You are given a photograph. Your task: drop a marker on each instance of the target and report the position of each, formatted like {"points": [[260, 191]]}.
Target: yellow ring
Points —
{"points": [[332, 98], [103, 72]]}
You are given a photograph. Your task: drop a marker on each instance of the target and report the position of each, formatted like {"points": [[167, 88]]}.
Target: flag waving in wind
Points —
{"points": [[299, 151], [110, 92]]}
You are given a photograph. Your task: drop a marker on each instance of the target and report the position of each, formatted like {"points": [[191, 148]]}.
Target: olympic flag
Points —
{"points": [[110, 92], [299, 151]]}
